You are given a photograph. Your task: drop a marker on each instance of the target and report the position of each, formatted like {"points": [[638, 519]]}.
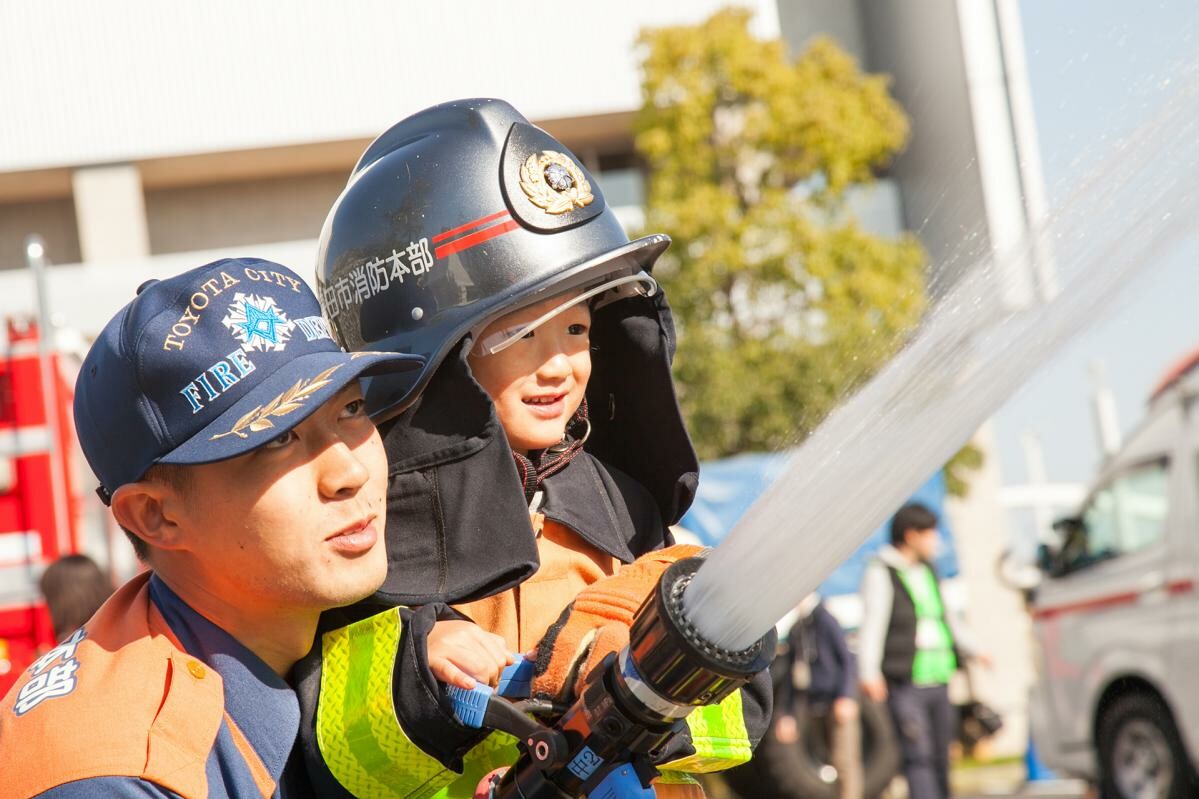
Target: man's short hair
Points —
{"points": [[913, 516], [177, 477]]}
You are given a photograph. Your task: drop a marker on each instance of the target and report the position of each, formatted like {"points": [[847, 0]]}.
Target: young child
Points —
{"points": [[539, 450]]}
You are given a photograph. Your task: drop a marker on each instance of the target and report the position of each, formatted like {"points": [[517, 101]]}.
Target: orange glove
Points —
{"points": [[597, 623]]}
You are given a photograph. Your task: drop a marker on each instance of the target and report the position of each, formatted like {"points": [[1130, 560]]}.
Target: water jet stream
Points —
{"points": [[968, 356]]}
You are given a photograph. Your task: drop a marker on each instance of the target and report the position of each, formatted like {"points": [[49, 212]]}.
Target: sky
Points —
{"points": [[1097, 70]]}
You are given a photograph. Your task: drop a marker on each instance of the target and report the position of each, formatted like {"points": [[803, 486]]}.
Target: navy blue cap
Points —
{"points": [[209, 365]]}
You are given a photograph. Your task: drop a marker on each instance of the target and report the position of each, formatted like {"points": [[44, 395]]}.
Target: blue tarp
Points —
{"points": [[728, 487]]}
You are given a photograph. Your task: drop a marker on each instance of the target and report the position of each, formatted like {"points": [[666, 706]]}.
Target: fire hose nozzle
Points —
{"points": [[631, 707], [669, 656]]}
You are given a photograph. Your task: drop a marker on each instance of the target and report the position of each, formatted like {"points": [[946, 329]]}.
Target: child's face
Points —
{"points": [[538, 383]]}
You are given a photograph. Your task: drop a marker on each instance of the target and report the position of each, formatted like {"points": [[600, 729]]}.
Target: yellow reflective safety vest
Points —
{"points": [[365, 748]]}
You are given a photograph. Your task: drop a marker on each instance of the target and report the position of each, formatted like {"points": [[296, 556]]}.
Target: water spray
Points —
{"points": [[968, 357]]}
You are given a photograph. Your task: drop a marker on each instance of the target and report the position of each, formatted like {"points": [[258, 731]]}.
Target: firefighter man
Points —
{"points": [[229, 435]]}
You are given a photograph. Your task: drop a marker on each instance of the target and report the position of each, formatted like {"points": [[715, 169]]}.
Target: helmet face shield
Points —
{"points": [[605, 293]]}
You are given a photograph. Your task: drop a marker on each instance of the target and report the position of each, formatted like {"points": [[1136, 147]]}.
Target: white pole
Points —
{"points": [[1028, 151], [1107, 420], [1038, 479], [35, 256]]}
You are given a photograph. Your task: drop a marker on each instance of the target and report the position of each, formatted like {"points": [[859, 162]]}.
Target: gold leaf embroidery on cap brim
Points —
{"points": [[291, 400]]}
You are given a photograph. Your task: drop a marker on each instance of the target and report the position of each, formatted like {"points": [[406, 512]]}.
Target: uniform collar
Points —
{"points": [[262, 705]]}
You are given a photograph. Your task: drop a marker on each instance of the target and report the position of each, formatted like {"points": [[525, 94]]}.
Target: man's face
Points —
{"points": [[538, 383], [925, 543], [298, 523]]}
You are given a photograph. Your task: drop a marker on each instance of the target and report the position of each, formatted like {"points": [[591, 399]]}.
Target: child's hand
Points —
{"points": [[461, 653]]}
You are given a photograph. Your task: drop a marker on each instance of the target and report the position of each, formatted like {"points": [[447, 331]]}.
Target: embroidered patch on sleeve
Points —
{"points": [[53, 675]]}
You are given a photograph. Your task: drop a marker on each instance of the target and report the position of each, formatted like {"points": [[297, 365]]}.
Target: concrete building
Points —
{"points": [[143, 138], [157, 131]]}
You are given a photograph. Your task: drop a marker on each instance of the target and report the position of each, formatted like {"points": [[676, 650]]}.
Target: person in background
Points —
{"points": [[910, 646], [824, 674], [74, 588]]}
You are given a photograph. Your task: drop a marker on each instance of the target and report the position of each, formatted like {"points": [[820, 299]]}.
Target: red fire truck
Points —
{"points": [[38, 500]]}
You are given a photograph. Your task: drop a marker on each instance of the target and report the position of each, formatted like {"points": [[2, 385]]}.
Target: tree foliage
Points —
{"points": [[784, 303]]}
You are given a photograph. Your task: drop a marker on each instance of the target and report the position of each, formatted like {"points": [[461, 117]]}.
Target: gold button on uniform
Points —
{"points": [[196, 669]]}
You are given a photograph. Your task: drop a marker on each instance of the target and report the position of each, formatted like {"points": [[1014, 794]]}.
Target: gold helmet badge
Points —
{"points": [[553, 182]]}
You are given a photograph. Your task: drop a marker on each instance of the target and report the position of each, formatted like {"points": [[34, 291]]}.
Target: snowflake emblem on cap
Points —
{"points": [[258, 323]]}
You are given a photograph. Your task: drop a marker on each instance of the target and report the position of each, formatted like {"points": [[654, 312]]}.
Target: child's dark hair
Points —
{"points": [[913, 516]]}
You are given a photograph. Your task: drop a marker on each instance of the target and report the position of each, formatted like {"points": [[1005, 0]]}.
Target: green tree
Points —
{"points": [[784, 303]]}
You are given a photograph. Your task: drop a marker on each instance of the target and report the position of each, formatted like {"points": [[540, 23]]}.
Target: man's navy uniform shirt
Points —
{"points": [[262, 705]]}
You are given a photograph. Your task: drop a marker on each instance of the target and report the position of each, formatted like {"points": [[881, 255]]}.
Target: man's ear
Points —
{"points": [[144, 509]]}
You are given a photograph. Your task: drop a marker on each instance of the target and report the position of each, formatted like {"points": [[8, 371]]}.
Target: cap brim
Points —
{"points": [[282, 401]]}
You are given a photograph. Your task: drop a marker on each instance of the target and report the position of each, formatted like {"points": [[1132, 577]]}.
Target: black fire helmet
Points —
{"points": [[464, 212]]}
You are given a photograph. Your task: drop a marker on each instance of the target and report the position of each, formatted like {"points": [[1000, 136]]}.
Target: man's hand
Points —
{"points": [[786, 729], [461, 653], [875, 689], [845, 709]]}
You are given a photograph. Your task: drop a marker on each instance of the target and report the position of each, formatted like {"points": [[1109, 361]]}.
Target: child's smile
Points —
{"points": [[547, 406], [539, 381]]}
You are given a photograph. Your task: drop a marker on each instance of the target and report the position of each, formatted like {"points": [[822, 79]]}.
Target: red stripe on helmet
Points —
{"points": [[478, 237], [447, 234]]}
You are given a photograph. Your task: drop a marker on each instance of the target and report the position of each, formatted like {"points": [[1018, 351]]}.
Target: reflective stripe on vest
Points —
{"points": [[719, 736], [935, 662], [359, 733]]}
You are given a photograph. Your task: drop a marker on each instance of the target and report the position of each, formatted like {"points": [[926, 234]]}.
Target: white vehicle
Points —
{"points": [[1116, 613]]}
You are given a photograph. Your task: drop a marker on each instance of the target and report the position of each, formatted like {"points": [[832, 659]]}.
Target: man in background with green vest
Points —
{"points": [[909, 648]]}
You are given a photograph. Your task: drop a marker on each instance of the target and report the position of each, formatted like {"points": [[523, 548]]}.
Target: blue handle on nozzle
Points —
{"points": [[470, 706], [622, 782], [516, 681]]}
